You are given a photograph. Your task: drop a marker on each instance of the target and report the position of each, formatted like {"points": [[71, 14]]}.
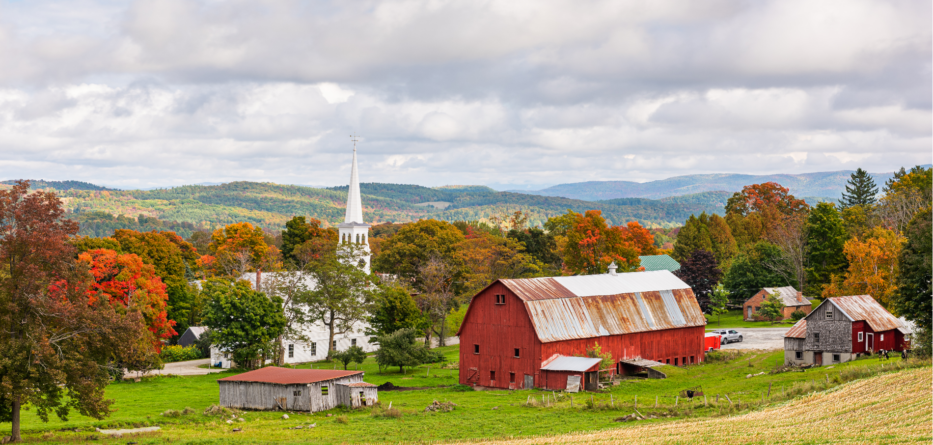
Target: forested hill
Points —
{"points": [[58, 185], [269, 205], [825, 185]]}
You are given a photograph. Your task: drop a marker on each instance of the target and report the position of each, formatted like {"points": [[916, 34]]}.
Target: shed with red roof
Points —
{"points": [[273, 388]]}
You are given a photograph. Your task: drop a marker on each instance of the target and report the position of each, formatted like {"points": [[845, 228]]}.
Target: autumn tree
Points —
{"points": [[592, 245], [769, 201], [483, 258], [315, 238], [860, 190], [872, 267], [85, 243], [701, 272], [124, 280], [59, 344], [239, 248], [404, 253], [641, 238], [242, 321], [746, 229], [913, 296], [826, 236], [710, 233], [790, 235], [437, 297], [905, 196]]}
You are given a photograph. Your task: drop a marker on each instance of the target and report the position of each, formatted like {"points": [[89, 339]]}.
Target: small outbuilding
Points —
{"points": [[571, 373], [792, 298], [191, 335], [273, 388]]}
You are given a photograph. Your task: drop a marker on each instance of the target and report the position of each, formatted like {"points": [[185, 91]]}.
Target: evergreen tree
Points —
{"points": [[860, 190], [913, 296], [826, 235], [693, 236]]}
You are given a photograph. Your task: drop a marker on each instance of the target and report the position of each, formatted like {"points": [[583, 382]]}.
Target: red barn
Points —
{"points": [[841, 329], [514, 329]]}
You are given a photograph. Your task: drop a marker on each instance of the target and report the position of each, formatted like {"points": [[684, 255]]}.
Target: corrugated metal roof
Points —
{"points": [[798, 330], [287, 376], [788, 295], [578, 364], [864, 307], [565, 308], [659, 262]]}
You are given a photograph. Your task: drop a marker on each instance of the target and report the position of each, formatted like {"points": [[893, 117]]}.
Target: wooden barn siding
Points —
{"points": [[835, 334], [557, 380], [498, 330], [262, 396], [793, 344], [350, 396], [655, 345]]}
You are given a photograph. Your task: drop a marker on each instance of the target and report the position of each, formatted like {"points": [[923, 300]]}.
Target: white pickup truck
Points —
{"points": [[728, 335]]}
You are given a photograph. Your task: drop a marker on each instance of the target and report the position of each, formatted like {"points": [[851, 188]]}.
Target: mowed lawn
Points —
{"points": [[494, 415], [735, 319]]}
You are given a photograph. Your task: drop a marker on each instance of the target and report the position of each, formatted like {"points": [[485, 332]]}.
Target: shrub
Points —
{"points": [[175, 353], [343, 419], [172, 413], [797, 315]]}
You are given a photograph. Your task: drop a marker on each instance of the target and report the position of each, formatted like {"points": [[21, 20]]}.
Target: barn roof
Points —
{"points": [[578, 364], [288, 376], [587, 306], [865, 308], [798, 330], [788, 295], [659, 262]]}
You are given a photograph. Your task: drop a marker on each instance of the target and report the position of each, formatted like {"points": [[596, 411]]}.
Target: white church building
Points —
{"points": [[314, 345]]}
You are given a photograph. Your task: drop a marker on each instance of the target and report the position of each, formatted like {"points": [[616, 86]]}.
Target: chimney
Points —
{"points": [[800, 297], [612, 268], [258, 278]]}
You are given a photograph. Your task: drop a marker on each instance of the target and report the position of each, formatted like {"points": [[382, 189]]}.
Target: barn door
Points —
{"points": [[818, 358], [473, 376], [750, 312], [870, 342], [529, 381]]}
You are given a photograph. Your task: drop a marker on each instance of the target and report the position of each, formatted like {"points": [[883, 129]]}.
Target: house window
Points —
{"points": [[835, 358], [798, 355], [492, 375], [323, 390], [353, 342], [291, 351], [333, 345], [313, 349], [861, 336], [517, 353], [816, 337], [476, 349], [829, 312], [511, 377], [757, 308]]}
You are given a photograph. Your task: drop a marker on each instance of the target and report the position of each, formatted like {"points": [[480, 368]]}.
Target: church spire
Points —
{"points": [[354, 203]]}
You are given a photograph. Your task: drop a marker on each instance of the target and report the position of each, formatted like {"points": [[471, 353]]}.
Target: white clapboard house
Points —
{"points": [[314, 344]]}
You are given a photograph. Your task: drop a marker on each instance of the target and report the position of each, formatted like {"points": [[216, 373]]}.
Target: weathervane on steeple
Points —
{"points": [[354, 138]]}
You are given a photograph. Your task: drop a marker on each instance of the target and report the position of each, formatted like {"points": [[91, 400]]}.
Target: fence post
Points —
{"points": [[636, 401], [571, 400], [676, 399], [769, 389], [704, 400], [655, 401], [612, 402]]}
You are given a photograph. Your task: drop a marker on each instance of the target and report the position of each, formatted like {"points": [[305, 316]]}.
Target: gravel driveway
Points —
{"points": [[760, 338], [180, 368]]}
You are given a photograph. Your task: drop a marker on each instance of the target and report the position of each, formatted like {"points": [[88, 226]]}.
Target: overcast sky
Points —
{"points": [[166, 92]]}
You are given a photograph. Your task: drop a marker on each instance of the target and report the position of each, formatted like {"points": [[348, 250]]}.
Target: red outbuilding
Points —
{"points": [[514, 329]]}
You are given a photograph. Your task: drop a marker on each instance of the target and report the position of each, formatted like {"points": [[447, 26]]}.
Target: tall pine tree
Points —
{"points": [[860, 190]]}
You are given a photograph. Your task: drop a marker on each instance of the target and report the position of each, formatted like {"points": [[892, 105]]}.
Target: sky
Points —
{"points": [[518, 94]]}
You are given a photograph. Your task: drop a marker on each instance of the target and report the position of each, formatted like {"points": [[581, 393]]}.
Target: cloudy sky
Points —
{"points": [[168, 92]]}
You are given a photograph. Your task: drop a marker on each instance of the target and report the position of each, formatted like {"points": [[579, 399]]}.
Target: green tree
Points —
{"points": [[723, 243], [541, 245], [718, 302], [394, 309], [860, 190], [826, 236], [772, 308], [344, 293], [61, 340], [693, 236], [242, 321], [353, 354], [759, 266], [914, 295], [299, 231], [559, 225], [402, 349], [597, 352], [404, 253], [85, 243]]}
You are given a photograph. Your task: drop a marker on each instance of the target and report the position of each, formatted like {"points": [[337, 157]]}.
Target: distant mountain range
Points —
{"points": [[826, 185]]}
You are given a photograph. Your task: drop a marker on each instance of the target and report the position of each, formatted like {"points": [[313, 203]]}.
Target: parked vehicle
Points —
{"points": [[713, 341], [728, 335]]}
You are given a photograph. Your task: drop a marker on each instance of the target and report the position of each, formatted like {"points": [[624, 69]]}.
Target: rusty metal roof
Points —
{"points": [[578, 364], [798, 330], [865, 308], [287, 376], [565, 308], [788, 295]]}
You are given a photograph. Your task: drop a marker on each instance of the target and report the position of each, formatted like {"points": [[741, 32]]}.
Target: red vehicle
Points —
{"points": [[712, 341]]}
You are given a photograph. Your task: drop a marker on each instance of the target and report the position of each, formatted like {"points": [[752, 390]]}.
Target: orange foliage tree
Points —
{"points": [[771, 202], [127, 282], [592, 244], [872, 268], [239, 248]]}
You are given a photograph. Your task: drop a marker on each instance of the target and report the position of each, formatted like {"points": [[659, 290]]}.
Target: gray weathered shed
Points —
{"points": [[286, 389]]}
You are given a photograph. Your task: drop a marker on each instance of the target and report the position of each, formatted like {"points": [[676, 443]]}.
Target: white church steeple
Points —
{"points": [[354, 230]]}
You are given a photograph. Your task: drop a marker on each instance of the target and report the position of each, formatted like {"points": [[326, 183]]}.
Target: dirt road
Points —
{"points": [[760, 338]]}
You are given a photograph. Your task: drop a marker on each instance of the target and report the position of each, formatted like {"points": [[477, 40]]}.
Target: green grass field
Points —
{"points": [[478, 415], [734, 319]]}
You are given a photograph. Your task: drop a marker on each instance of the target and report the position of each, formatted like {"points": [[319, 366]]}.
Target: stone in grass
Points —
{"points": [[284, 416], [237, 430], [240, 419], [229, 422]]}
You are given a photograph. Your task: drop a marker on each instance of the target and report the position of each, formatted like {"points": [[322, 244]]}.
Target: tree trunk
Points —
{"points": [[442, 339], [427, 337], [15, 435], [280, 352], [330, 335]]}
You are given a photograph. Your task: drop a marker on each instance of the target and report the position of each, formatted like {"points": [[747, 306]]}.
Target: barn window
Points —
{"points": [[861, 336], [323, 390], [816, 337], [492, 375], [353, 342], [675, 361], [835, 358], [313, 349], [291, 351], [517, 353], [511, 377], [882, 337], [500, 299], [296, 393], [691, 359], [668, 361], [829, 312], [476, 349], [798, 355]]}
